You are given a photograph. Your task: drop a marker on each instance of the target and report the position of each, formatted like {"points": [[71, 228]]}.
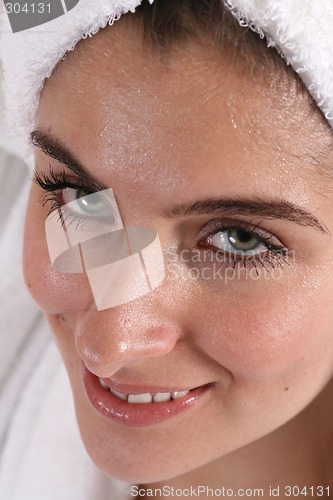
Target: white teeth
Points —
{"points": [[103, 384], [179, 394], [119, 395], [140, 398], [160, 397], [147, 397]]}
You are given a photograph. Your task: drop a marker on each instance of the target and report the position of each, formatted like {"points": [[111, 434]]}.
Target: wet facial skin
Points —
{"points": [[163, 133]]}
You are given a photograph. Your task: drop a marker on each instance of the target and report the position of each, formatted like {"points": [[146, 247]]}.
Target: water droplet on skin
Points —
{"points": [[102, 133]]}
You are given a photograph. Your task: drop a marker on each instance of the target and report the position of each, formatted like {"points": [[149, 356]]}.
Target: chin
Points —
{"points": [[131, 464], [130, 469]]}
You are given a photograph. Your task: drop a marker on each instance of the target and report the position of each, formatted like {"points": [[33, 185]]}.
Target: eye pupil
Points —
{"points": [[242, 240], [90, 204], [80, 193], [243, 236]]}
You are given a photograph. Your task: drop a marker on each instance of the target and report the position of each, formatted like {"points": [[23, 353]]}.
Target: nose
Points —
{"points": [[125, 336]]}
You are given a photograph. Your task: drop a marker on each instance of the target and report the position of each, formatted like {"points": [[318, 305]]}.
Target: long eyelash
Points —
{"points": [[276, 255], [52, 182], [271, 260], [253, 230]]}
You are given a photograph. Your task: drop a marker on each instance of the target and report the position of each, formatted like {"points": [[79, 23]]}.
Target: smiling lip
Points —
{"points": [[131, 414]]}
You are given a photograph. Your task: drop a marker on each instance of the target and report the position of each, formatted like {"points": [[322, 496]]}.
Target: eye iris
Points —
{"points": [[242, 240], [90, 204]]}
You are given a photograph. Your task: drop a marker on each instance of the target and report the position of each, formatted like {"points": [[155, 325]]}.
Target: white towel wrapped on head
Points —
{"points": [[300, 29], [29, 57]]}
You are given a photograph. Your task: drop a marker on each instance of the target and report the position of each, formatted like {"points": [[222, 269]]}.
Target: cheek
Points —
{"points": [[54, 292], [262, 333]]}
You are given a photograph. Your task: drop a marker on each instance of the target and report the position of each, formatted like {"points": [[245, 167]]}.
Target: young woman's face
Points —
{"points": [[252, 329]]}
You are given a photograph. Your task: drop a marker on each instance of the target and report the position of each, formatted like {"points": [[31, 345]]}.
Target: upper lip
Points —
{"points": [[144, 389]]}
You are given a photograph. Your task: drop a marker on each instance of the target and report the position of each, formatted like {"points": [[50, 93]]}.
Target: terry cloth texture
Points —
{"points": [[300, 29], [29, 57], [42, 456]]}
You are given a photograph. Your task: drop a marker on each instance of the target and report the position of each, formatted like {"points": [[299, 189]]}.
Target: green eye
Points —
{"points": [[85, 205], [91, 205], [242, 240], [237, 241]]}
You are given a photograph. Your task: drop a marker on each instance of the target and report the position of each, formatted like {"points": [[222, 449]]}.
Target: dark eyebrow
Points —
{"points": [[54, 148], [267, 209]]}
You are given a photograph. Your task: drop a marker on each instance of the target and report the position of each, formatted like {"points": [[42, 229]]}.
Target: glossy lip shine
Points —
{"points": [[132, 414]]}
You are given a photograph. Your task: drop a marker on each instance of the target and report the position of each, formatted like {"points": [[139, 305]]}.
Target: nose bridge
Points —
{"points": [[136, 331]]}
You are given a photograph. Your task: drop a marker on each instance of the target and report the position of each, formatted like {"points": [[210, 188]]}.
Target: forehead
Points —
{"points": [[125, 109]]}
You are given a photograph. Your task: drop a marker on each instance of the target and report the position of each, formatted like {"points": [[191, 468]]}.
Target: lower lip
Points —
{"points": [[133, 414]]}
